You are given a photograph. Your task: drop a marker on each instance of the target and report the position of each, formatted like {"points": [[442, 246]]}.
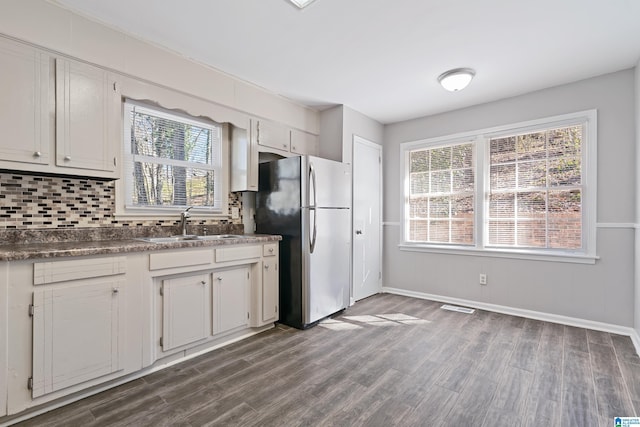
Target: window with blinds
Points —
{"points": [[172, 160], [441, 194], [522, 190], [535, 194]]}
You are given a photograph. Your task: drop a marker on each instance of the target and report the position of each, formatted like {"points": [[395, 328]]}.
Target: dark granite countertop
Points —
{"points": [[55, 249]]}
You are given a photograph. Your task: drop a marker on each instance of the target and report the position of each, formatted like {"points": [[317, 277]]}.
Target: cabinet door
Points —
{"points": [[270, 290], [77, 334], [271, 135], [86, 104], [26, 105], [231, 295], [244, 161], [304, 143], [186, 312]]}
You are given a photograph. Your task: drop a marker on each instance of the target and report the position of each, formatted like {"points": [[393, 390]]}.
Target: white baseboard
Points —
{"points": [[537, 315]]}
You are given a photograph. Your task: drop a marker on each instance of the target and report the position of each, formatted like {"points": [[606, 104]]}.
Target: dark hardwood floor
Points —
{"points": [[388, 360]]}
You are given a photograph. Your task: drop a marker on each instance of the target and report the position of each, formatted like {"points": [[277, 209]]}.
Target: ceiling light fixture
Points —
{"points": [[301, 3], [456, 79]]}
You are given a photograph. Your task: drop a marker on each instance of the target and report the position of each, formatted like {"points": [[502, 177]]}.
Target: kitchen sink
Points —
{"points": [[191, 237]]}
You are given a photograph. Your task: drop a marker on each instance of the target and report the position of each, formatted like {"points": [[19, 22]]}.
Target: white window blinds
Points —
{"points": [[441, 194], [535, 196], [173, 160]]}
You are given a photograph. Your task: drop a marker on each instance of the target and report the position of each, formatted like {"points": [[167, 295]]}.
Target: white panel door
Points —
{"points": [[77, 334], [231, 292], [367, 207], [186, 310]]}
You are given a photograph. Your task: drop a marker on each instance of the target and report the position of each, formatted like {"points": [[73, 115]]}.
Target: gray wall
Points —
{"points": [[637, 261], [603, 292], [338, 125], [331, 133]]}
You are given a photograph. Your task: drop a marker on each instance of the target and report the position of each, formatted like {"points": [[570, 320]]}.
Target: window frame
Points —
{"points": [[481, 146], [124, 190]]}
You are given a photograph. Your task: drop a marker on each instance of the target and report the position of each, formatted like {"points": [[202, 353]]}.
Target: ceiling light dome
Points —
{"points": [[301, 3], [456, 79]]}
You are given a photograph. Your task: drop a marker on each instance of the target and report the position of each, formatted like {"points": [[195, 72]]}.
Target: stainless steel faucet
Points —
{"points": [[184, 215]]}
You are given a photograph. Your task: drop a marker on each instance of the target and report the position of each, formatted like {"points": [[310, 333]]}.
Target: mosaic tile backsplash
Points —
{"points": [[50, 202]]}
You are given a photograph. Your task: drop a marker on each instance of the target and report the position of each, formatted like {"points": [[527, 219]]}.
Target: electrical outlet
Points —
{"points": [[483, 279], [235, 213]]}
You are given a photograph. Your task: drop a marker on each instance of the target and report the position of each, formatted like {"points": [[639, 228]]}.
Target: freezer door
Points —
{"points": [[329, 183], [328, 266]]}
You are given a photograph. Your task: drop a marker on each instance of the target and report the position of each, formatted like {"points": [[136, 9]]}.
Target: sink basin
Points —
{"points": [[169, 239], [221, 236], [190, 237]]}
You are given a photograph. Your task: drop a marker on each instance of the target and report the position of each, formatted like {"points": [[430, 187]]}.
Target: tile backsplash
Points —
{"points": [[52, 202]]}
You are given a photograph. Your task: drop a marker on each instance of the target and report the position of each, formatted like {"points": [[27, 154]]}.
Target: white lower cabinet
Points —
{"points": [[76, 323], [230, 299], [270, 290], [185, 310], [77, 334]]}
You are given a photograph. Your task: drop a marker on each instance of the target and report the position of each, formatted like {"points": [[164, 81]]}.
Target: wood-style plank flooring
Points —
{"points": [[388, 360]]}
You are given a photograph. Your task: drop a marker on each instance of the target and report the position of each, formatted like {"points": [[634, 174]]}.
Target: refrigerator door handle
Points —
{"points": [[312, 175], [312, 208], [312, 240]]}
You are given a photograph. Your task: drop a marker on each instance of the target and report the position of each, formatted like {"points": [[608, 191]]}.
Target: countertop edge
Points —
{"points": [[110, 247]]}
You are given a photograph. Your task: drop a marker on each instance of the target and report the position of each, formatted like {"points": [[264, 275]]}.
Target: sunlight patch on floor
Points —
{"points": [[337, 325], [388, 319]]}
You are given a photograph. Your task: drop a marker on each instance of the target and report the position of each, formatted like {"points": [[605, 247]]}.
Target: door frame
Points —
{"points": [[356, 139]]}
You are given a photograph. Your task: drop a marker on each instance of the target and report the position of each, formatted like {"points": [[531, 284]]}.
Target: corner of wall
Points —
{"points": [[637, 220], [331, 124], [356, 123]]}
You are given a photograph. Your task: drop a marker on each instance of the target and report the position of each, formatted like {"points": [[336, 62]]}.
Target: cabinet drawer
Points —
{"points": [[238, 253], [60, 271], [158, 261], [270, 249]]}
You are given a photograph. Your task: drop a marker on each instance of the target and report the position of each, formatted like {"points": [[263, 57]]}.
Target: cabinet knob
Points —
{"points": [[67, 158], [284, 146], [37, 154], [358, 231], [115, 291], [219, 278], [202, 282], [293, 147], [266, 266], [270, 250]]}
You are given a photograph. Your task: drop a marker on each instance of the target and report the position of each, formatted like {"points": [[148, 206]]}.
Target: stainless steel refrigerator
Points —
{"points": [[307, 201]]}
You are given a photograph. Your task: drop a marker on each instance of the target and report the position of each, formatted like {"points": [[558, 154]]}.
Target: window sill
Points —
{"points": [[151, 215], [500, 253]]}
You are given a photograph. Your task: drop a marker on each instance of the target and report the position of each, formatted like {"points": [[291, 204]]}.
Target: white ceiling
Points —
{"points": [[382, 57]]}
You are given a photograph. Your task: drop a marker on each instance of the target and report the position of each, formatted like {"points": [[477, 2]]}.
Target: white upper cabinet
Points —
{"points": [[303, 143], [25, 105], [71, 109], [87, 108], [270, 134], [276, 138], [244, 161]]}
